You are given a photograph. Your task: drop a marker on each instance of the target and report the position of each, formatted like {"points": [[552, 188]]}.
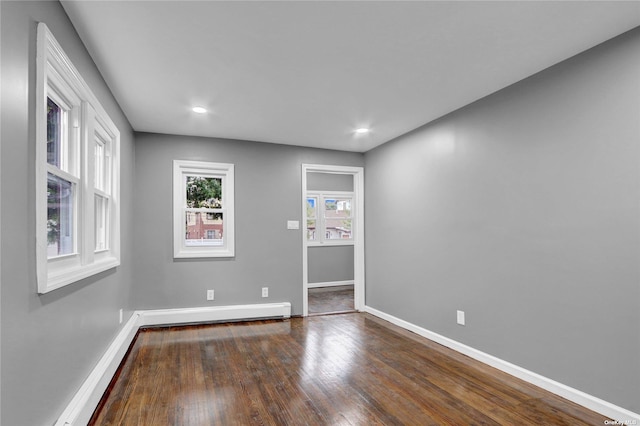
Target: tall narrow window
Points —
{"points": [[62, 106], [102, 187], [204, 225], [312, 222], [76, 174], [203, 209]]}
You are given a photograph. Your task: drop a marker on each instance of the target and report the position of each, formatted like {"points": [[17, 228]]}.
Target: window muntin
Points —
{"points": [[329, 217], [203, 209], [77, 171]]}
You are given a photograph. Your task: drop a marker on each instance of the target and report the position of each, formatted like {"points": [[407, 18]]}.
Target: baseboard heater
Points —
{"points": [[160, 317], [85, 401]]}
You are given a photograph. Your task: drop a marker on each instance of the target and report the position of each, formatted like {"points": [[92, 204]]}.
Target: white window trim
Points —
{"points": [[182, 168], [321, 239], [55, 68]]}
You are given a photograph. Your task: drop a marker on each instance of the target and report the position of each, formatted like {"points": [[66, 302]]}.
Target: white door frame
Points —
{"points": [[358, 241]]}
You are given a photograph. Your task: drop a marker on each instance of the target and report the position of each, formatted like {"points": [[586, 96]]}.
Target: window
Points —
{"points": [[312, 220], [337, 218], [76, 174], [102, 186], [329, 217], [202, 209]]}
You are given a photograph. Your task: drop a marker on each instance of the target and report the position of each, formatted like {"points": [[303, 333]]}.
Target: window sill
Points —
{"points": [[195, 254], [330, 243], [67, 276]]}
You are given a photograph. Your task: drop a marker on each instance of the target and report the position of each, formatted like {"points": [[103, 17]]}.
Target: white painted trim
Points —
{"points": [[358, 254], [330, 284], [225, 171], [588, 401], [330, 243], [85, 401], [57, 77], [65, 277], [305, 250]]}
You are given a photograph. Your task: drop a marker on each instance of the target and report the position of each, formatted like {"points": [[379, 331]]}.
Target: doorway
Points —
{"points": [[333, 238]]}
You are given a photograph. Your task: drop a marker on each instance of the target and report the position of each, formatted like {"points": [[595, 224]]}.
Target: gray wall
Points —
{"points": [[317, 181], [522, 210], [333, 263], [268, 190], [51, 342]]}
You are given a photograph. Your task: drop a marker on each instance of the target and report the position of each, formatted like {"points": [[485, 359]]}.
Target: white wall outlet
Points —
{"points": [[293, 224], [209, 294], [265, 291], [121, 316], [461, 317]]}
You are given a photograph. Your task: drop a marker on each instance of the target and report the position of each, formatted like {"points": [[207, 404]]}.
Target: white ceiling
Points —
{"points": [[310, 72]]}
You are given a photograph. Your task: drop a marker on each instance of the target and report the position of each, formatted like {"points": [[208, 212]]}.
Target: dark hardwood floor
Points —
{"points": [[324, 300], [349, 369]]}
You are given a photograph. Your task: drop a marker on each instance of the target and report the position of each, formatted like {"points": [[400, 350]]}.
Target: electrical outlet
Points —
{"points": [[265, 291], [210, 295], [121, 316], [461, 320]]}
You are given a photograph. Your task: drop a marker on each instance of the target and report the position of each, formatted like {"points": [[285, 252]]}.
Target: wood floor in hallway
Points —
{"points": [[347, 369], [324, 300]]}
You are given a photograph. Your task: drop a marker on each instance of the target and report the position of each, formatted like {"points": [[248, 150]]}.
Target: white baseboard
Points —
{"points": [[330, 284], [588, 401], [85, 401]]}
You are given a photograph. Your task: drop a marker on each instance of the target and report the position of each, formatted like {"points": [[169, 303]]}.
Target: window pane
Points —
{"points": [[204, 192], [312, 202], [101, 221], [203, 229], [338, 229], [337, 207], [338, 221], [102, 160], [99, 165], [54, 132], [311, 229], [60, 194]]}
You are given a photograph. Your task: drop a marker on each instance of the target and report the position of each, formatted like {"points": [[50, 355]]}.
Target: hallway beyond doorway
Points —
{"points": [[324, 300]]}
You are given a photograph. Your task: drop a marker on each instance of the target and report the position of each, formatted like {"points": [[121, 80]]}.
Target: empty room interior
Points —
{"points": [[319, 212]]}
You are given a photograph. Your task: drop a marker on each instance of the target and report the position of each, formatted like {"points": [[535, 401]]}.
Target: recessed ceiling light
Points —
{"points": [[199, 110], [362, 130]]}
